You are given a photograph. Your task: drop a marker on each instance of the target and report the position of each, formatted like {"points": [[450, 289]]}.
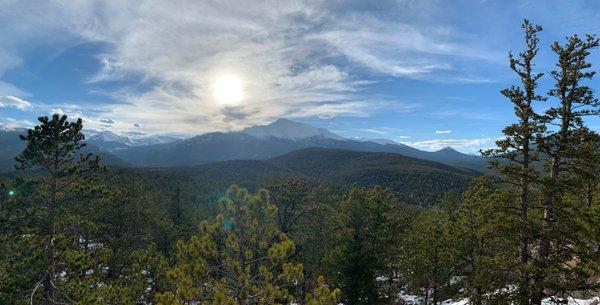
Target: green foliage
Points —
{"points": [[68, 236], [405, 176], [289, 196], [241, 257], [46, 225], [484, 240], [426, 257], [368, 230]]}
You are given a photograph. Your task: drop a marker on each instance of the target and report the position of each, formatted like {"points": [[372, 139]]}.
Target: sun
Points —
{"points": [[228, 90]]}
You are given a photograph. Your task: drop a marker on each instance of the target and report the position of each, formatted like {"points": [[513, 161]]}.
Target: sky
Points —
{"points": [[424, 73]]}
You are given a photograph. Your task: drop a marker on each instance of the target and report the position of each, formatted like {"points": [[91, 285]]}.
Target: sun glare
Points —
{"points": [[228, 90]]}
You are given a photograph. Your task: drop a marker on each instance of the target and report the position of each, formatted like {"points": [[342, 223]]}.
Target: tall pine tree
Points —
{"points": [[561, 144], [65, 260], [516, 153]]}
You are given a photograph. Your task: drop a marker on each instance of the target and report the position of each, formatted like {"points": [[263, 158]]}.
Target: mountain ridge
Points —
{"points": [[255, 143]]}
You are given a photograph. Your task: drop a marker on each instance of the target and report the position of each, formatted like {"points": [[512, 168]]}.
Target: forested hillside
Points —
{"points": [[406, 177]]}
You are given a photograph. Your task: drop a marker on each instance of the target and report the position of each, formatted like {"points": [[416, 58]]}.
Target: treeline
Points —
{"points": [[72, 232]]}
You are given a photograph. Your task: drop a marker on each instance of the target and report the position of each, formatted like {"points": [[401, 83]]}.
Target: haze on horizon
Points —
{"points": [[424, 73]]}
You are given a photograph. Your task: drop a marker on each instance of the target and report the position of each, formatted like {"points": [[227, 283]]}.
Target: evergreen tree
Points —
{"points": [[575, 100], [365, 244], [49, 234], [484, 241], [516, 153], [134, 230], [315, 235], [427, 256], [241, 257], [586, 167], [288, 196]]}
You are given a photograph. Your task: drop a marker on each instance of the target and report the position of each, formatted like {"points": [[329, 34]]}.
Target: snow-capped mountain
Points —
{"points": [[109, 141], [109, 136], [152, 140], [5, 128], [290, 130], [272, 140], [258, 142]]}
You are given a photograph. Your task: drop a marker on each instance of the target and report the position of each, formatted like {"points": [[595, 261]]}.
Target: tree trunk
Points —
{"points": [[49, 290], [524, 255]]}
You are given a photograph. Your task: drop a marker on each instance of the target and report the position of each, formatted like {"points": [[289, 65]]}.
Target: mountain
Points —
{"points": [[278, 138], [254, 143], [214, 147], [452, 157], [109, 141], [10, 146], [289, 130]]}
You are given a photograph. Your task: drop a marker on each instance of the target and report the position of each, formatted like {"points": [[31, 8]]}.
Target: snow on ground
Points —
{"points": [[416, 300], [572, 301]]}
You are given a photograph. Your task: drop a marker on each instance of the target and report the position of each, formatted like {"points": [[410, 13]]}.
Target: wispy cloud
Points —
{"points": [[443, 131], [296, 59], [10, 123], [464, 145], [14, 102], [401, 49], [379, 130]]}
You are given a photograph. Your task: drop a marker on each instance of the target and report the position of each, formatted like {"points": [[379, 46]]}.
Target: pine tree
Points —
{"points": [[288, 196], [575, 100], [315, 235], [427, 255], [366, 245], [586, 167], [48, 223], [241, 257], [484, 240], [516, 154]]}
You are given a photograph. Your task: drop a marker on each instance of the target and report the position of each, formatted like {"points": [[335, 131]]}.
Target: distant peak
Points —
{"points": [[448, 148], [288, 129], [285, 122]]}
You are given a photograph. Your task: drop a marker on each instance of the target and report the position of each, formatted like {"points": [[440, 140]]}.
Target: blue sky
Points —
{"points": [[425, 73]]}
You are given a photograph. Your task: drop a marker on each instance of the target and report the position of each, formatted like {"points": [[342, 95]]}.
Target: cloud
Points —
{"points": [[378, 130], [107, 121], [296, 59], [403, 137], [464, 145], [136, 125], [71, 111], [443, 131], [10, 123], [14, 102]]}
